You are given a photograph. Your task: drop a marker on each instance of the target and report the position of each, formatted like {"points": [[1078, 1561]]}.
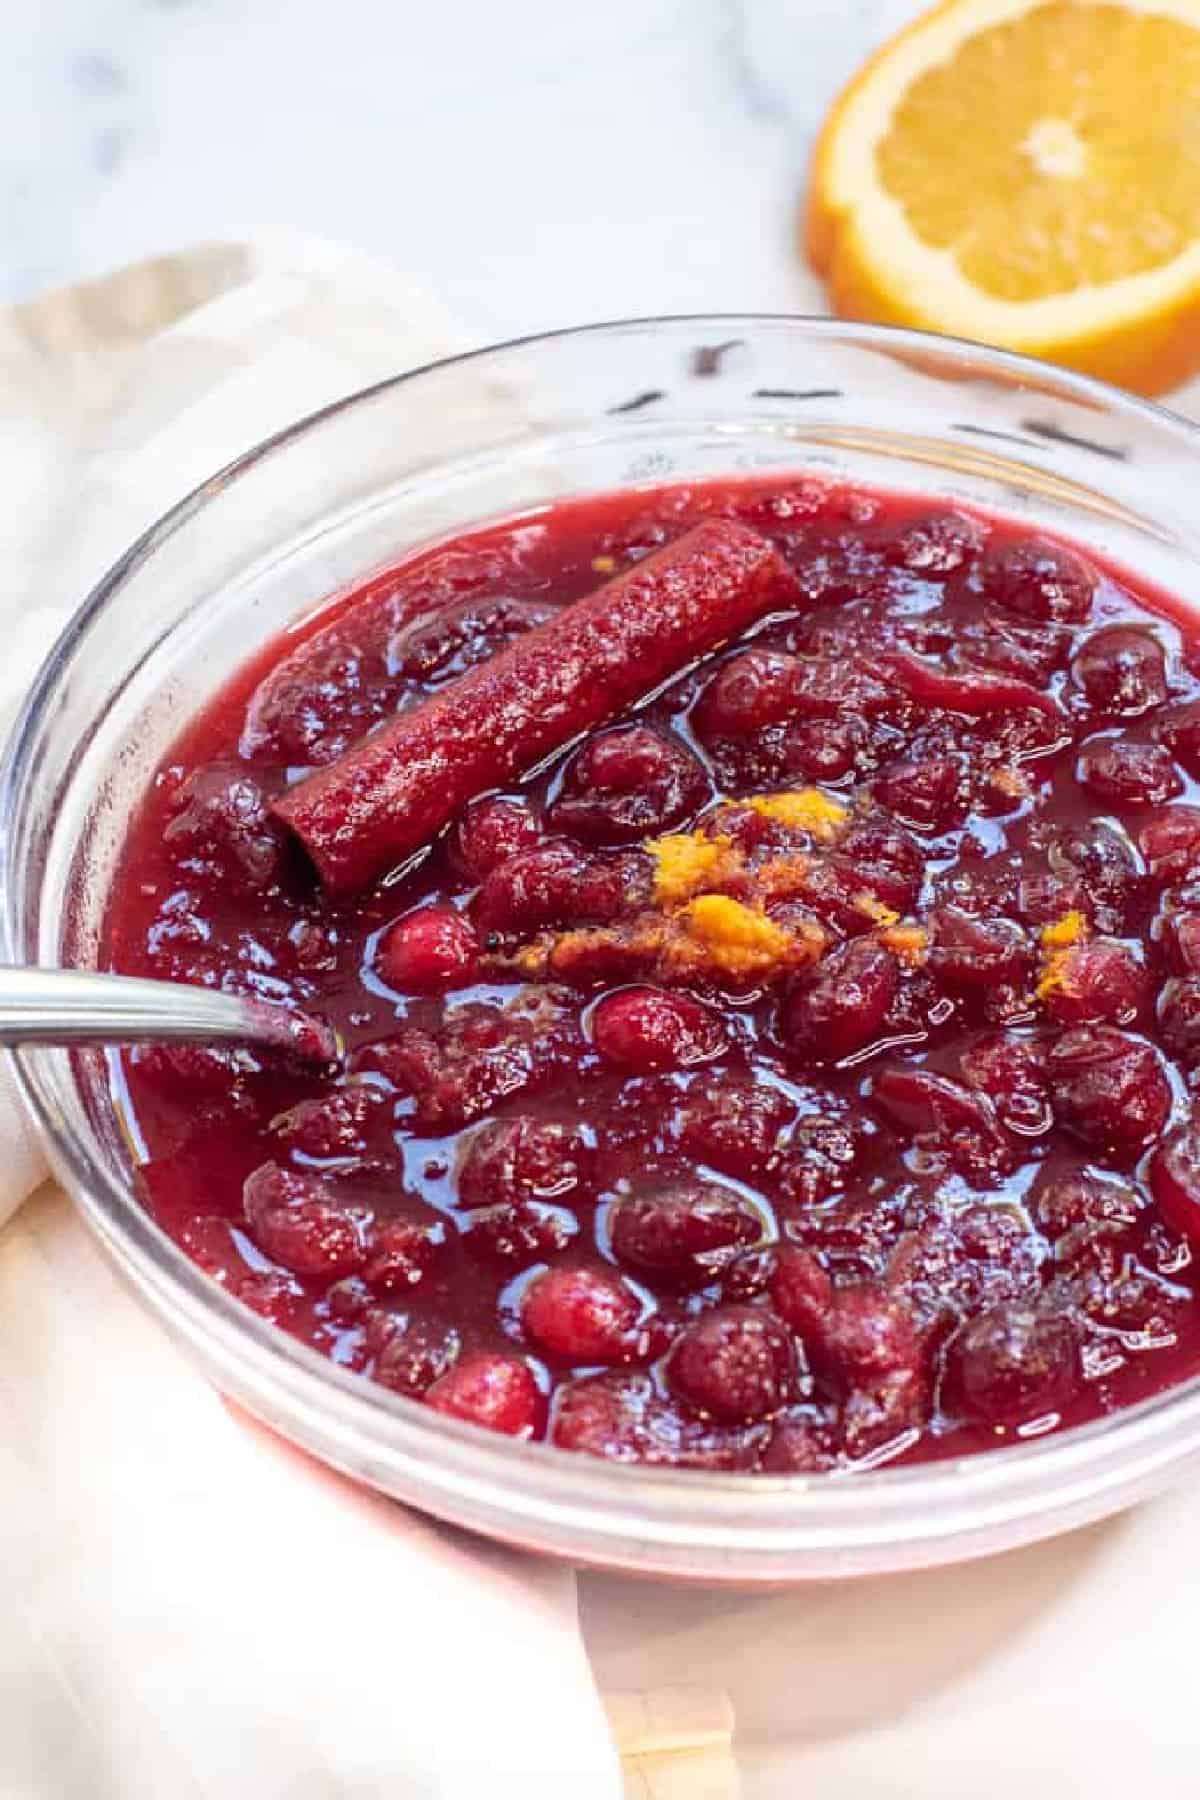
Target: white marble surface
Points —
{"points": [[540, 163]]}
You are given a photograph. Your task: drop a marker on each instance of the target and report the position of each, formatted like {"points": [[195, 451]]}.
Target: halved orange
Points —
{"points": [[1025, 173]]}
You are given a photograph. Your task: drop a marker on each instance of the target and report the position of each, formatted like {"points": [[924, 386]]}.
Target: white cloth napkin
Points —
{"points": [[189, 1608]]}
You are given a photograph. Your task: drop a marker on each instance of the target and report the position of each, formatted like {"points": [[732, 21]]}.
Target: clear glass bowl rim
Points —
{"points": [[533, 1493]]}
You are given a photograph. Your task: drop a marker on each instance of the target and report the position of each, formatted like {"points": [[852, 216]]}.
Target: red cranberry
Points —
{"points": [[1179, 730], [935, 545], [1029, 652], [732, 1123], [489, 832], [735, 1364], [1109, 1089], [296, 1222], [747, 694], [641, 1029], [821, 750], [430, 949], [1179, 1018], [536, 888], [887, 862], [1128, 774], [1175, 1180], [582, 1316], [1181, 940], [1037, 579], [197, 1070], [623, 1418], [931, 794], [523, 1159], [222, 816], [947, 1121], [625, 784], [828, 1150], [1098, 982], [683, 1233], [335, 1126], [1100, 870], [497, 1392], [801, 1292], [402, 1254], [454, 638], [518, 1233], [1084, 1198], [1012, 1364], [412, 1354], [969, 953], [843, 1005], [1170, 843], [1121, 671], [1011, 1071], [271, 1295]]}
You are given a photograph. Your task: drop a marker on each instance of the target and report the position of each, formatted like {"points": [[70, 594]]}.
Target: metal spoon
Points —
{"points": [[69, 1006]]}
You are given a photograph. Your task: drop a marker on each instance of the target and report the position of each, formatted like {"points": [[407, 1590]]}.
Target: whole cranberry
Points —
{"points": [[886, 861], [802, 1442], [535, 888], [865, 1335], [1179, 730], [1170, 843], [686, 1232], [801, 1292], [512, 1160], [1121, 671], [1011, 1071], [489, 832], [1098, 982], [1179, 1018], [842, 1006], [641, 1029], [1128, 774], [1108, 1088], [931, 794], [947, 1121], [412, 1354], [625, 1418], [1012, 1364], [966, 953], [627, 783], [403, 1251], [428, 950], [582, 1315], [732, 1123], [1175, 1180], [336, 1125], [296, 1221], [735, 1364], [935, 544], [748, 693], [1037, 579], [498, 1392]]}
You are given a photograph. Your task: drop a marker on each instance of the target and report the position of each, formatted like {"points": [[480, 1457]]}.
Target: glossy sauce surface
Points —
{"points": [[795, 1072]]}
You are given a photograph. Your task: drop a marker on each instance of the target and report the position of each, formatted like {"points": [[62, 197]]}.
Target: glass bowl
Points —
{"points": [[264, 543]]}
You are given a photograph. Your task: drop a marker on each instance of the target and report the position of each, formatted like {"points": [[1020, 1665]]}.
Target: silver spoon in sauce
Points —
{"points": [[73, 1006]]}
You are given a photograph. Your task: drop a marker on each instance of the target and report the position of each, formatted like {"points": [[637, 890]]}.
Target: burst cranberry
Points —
{"points": [[497, 1392], [801, 1292], [581, 1316], [457, 636], [842, 1007], [402, 1254], [626, 784], [623, 1418], [932, 794], [968, 953], [1084, 1198], [1181, 940], [518, 1233], [1101, 982], [428, 950], [946, 1121], [1109, 1089], [297, 1222], [735, 1364], [1170, 843], [747, 694], [1179, 730], [685, 1233], [222, 816], [523, 1159], [732, 1123], [1175, 1180], [1011, 1071], [641, 1029], [1098, 867], [1179, 1018], [413, 1353], [1121, 671], [1037, 579], [886, 861], [827, 1151], [936, 545], [337, 1126], [801, 1443], [546, 885], [491, 831], [1012, 1364], [1129, 774], [822, 750]]}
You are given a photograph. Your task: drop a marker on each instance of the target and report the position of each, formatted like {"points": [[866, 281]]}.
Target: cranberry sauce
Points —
{"points": [[794, 1072]]}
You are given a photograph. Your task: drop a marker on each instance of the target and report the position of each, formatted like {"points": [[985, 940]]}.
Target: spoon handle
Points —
{"points": [[74, 1006]]}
